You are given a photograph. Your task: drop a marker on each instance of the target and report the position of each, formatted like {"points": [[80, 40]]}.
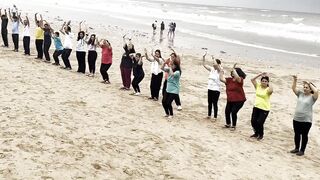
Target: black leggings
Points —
{"points": [[26, 45], [167, 105], [92, 57], [213, 97], [56, 55], [301, 129], [65, 57], [104, 71], [5, 38], [15, 39], [155, 85], [46, 47], [232, 108], [135, 82], [258, 118], [164, 94], [39, 47], [81, 57]]}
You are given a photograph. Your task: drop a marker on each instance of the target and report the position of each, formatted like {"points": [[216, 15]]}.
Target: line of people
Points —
{"points": [[302, 120], [169, 70]]}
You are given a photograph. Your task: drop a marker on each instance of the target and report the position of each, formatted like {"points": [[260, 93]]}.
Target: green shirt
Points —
{"points": [[173, 84]]}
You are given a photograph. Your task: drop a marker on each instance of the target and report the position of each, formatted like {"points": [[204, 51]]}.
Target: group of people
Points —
{"points": [[171, 31], [168, 69], [236, 98]]}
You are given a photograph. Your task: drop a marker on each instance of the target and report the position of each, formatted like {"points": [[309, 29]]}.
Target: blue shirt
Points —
{"points": [[173, 83], [58, 43]]}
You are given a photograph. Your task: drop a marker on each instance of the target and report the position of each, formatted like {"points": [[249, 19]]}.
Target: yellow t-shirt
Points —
{"points": [[262, 98], [39, 33]]}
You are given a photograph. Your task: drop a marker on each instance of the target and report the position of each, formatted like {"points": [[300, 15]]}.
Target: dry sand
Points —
{"points": [[57, 124]]}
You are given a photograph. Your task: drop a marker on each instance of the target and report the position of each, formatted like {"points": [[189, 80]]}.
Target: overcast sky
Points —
{"points": [[288, 5]]}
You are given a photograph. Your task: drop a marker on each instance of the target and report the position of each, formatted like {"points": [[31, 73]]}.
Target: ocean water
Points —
{"points": [[253, 33]]}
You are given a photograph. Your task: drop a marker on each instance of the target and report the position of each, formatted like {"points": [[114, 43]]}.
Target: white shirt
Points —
{"points": [[26, 31], [92, 47], [15, 27], [155, 66], [68, 41], [81, 46], [214, 80]]}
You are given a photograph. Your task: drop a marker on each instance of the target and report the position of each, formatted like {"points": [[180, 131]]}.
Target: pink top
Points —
{"points": [[106, 57]]}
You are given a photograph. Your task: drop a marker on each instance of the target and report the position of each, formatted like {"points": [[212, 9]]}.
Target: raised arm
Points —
{"points": [[10, 15], [41, 24], [28, 22], [204, 62], [221, 77], [235, 74], [254, 80], [20, 19], [270, 89], [314, 89], [294, 85], [80, 29], [147, 56], [35, 18], [61, 30]]}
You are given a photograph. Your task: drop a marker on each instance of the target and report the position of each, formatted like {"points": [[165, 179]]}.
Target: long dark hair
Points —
{"points": [[241, 73], [158, 50], [81, 32], [177, 67], [92, 41]]}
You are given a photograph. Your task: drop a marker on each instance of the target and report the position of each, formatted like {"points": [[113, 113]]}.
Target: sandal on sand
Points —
{"points": [[294, 151], [232, 128], [227, 126]]}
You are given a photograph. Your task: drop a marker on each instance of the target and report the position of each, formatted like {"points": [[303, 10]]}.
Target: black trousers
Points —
{"points": [[155, 85], [39, 47], [56, 55], [167, 105], [5, 38], [135, 82], [46, 47], [164, 94], [92, 57], [213, 98], [15, 39], [232, 109], [65, 57], [258, 118], [104, 71], [26, 45], [81, 58], [301, 129]]}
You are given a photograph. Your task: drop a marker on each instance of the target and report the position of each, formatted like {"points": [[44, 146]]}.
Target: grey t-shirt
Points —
{"points": [[303, 112]]}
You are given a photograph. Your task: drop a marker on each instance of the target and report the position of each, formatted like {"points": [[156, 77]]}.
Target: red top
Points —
{"points": [[234, 90], [106, 57]]}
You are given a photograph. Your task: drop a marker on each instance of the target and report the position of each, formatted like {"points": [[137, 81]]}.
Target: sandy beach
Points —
{"points": [[58, 124]]}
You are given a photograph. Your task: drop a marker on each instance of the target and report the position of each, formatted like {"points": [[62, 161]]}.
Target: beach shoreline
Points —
{"points": [[58, 124]]}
